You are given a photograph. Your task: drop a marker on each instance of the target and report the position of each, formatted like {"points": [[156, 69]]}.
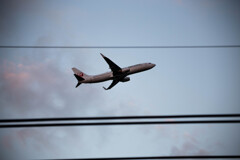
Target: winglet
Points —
{"points": [[105, 88], [102, 55]]}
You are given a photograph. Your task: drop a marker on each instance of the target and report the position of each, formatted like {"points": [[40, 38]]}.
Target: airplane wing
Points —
{"points": [[114, 82], [115, 68]]}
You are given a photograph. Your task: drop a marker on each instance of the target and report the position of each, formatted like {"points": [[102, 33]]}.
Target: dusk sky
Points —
{"points": [[38, 83]]}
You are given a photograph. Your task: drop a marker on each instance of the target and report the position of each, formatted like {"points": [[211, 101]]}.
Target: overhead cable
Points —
{"points": [[122, 47], [118, 123], [119, 118], [159, 157]]}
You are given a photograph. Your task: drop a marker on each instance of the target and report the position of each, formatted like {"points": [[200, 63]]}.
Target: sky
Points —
{"points": [[38, 83]]}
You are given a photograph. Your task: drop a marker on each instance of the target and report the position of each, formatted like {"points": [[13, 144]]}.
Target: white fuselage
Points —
{"points": [[109, 75]]}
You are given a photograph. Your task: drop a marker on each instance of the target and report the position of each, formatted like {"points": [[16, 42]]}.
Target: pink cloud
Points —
{"points": [[6, 141], [16, 80], [37, 139], [19, 75], [179, 1]]}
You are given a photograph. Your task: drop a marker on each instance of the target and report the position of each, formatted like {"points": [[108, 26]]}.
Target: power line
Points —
{"points": [[117, 123], [118, 118], [121, 47], [160, 157]]}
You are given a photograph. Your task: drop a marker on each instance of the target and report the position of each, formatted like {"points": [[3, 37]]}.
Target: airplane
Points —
{"points": [[117, 73]]}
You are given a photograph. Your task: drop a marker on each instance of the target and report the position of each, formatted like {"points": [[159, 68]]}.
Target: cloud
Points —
{"points": [[39, 88], [35, 86], [190, 146]]}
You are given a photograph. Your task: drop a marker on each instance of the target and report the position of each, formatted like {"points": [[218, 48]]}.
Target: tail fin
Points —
{"points": [[80, 76], [80, 73]]}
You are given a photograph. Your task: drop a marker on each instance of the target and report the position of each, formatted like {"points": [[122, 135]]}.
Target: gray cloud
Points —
{"points": [[35, 86], [190, 146]]}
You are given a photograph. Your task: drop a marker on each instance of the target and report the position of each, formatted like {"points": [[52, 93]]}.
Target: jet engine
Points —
{"points": [[125, 79]]}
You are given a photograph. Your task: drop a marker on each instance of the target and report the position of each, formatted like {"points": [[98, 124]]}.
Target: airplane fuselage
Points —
{"points": [[127, 70], [117, 73]]}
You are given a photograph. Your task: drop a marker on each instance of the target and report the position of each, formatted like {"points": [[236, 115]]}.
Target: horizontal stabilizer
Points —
{"points": [[78, 84], [78, 77]]}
